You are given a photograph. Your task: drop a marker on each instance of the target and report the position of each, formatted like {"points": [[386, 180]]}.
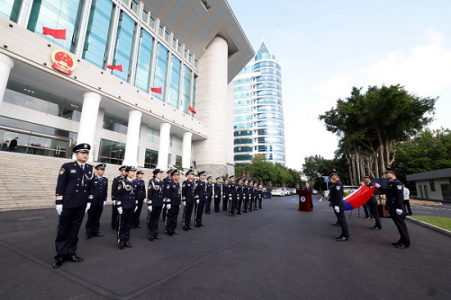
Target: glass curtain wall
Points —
{"points": [[111, 152], [173, 99], [10, 9], [124, 46], [142, 76], [187, 75], [161, 70]]}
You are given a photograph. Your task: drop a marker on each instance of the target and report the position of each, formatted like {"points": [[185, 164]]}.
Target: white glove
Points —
{"points": [[149, 208], [59, 209], [399, 211], [216, 196], [337, 209], [136, 208], [377, 185], [88, 206], [104, 202], [197, 201], [120, 210], [168, 206], [114, 202], [184, 203]]}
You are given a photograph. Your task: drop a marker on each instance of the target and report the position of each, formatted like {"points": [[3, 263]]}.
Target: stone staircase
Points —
{"points": [[29, 181]]}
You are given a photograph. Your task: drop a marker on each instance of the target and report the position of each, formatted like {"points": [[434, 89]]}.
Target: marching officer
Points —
{"points": [[217, 190], [239, 195], [251, 194], [173, 197], [209, 195], [188, 198], [260, 195], [73, 199], [99, 190], [126, 206], [165, 181], [336, 200], [155, 202], [395, 206], [245, 195], [231, 189], [115, 214], [255, 195], [372, 203], [225, 197], [140, 196], [201, 194]]}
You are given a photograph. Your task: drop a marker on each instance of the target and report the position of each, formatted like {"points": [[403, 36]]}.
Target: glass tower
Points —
{"points": [[258, 110]]}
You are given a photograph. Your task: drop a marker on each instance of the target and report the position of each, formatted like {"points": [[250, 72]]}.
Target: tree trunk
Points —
{"points": [[387, 154], [354, 171], [362, 168], [349, 169]]}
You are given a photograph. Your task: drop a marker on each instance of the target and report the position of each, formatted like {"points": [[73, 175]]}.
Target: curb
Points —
{"points": [[430, 226]]}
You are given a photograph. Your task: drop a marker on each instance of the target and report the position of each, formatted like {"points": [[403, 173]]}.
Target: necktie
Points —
{"points": [[82, 167]]}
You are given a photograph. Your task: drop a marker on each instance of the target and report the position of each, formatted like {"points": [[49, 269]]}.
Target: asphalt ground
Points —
{"points": [[273, 253]]}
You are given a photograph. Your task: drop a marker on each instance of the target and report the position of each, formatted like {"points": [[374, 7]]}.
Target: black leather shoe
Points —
{"points": [[175, 232], [169, 233], [375, 228], [99, 234], [338, 236], [74, 258], [336, 224], [400, 246], [238, 213], [185, 228], [198, 226], [190, 228], [158, 237], [341, 239], [58, 263], [114, 229], [128, 245], [395, 244], [202, 225], [122, 246], [151, 238], [87, 237], [139, 226], [245, 211]]}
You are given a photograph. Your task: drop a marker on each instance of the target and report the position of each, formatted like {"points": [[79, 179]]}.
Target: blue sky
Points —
{"points": [[326, 47]]}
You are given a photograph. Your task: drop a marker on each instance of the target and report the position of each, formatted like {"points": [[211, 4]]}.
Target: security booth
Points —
{"points": [[305, 200]]}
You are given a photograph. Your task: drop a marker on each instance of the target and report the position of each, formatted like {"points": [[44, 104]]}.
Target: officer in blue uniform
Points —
{"points": [[245, 195], [173, 199], [126, 206], [336, 200], [73, 198], [188, 199], [260, 195], [239, 195], [225, 197], [115, 214], [217, 192], [155, 202], [100, 191], [140, 197], [395, 206], [231, 189], [251, 194], [209, 195], [372, 203], [255, 195], [201, 198], [165, 181]]}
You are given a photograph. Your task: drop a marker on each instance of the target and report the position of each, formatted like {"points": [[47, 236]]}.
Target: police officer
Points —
{"points": [[73, 199], [99, 190], [225, 197], [140, 196], [336, 200], [372, 203], [255, 195], [395, 206], [260, 195], [173, 197], [209, 195], [201, 195], [217, 191], [165, 181], [232, 195], [337, 223], [155, 202], [115, 214], [245, 195], [126, 206], [188, 199], [251, 194], [239, 195]]}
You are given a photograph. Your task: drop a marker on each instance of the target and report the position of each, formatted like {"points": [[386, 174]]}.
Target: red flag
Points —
{"points": [[191, 109], [157, 90], [56, 33], [118, 67]]}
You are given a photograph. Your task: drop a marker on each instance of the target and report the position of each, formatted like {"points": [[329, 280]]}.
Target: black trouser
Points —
{"points": [[400, 222], [171, 218], [233, 206], [137, 214], [152, 223], [225, 201], [375, 213], [407, 207], [343, 223], [164, 213], [93, 222], [217, 200], [238, 207], [114, 217], [251, 202], [365, 210], [67, 235], [187, 213], [260, 202], [245, 203], [208, 205], [127, 217], [199, 213]]}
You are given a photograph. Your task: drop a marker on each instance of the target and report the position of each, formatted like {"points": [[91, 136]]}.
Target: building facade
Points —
{"points": [[51, 99], [258, 110], [434, 185]]}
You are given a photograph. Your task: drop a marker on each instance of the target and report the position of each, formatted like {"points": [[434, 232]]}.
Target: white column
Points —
{"points": [[142, 145], [132, 144], [6, 64], [24, 13], [163, 149], [186, 158], [88, 119]]}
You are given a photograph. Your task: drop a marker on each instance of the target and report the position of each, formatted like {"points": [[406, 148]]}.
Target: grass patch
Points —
{"points": [[444, 223]]}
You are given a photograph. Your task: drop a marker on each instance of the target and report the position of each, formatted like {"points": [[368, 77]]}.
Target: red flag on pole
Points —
{"points": [[157, 90], [118, 67], [191, 109], [56, 33]]}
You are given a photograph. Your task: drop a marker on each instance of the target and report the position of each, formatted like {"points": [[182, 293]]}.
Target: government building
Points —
{"points": [[258, 110], [146, 83]]}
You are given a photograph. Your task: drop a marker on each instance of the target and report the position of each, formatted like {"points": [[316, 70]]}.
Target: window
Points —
{"points": [[111, 152], [206, 5], [124, 46], [134, 6], [432, 184], [144, 61], [242, 141], [242, 149], [151, 159], [10, 9], [151, 22], [153, 135], [187, 75], [160, 31], [144, 16], [243, 133], [161, 70], [115, 124], [175, 82]]}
